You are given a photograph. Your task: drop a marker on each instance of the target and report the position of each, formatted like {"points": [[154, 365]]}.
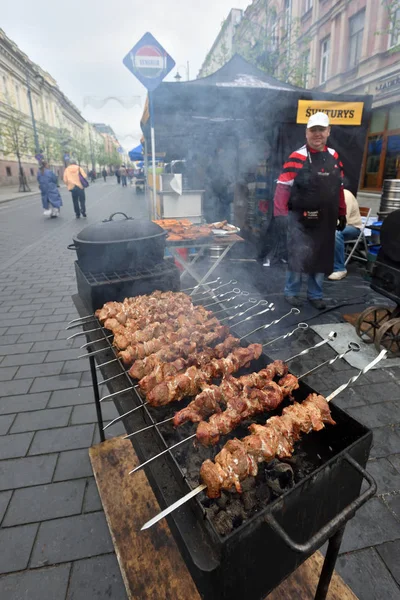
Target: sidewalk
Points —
{"points": [[10, 192]]}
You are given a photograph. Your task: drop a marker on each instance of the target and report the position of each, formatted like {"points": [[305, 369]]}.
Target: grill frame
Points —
{"points": [[218, 568]]}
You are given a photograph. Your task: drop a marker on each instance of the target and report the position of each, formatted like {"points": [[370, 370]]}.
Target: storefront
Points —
{"points": [[382, 155]]}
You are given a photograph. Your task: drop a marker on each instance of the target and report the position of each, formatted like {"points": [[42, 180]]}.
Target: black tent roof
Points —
{"points": [[237, 72]]}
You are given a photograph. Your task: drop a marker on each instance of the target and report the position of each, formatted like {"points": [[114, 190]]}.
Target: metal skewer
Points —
{"points": [[292, 311], [74, 325], [231, 282], [332, 335], [81, 319], [254, 305], [300, 326], [201, 284], [352, 347], [74, 335], [202, 486], [107, 337], [226, 300]]}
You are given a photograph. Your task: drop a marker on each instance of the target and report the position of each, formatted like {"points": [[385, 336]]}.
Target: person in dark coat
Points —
{"points": [[309, 195], [118, 176], [104, 173], [51, 199]]}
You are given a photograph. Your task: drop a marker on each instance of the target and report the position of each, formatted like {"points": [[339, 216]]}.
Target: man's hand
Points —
{"points": [[342, 222]]}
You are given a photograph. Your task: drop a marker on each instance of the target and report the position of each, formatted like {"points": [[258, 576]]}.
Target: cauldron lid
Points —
{"points": [[120, 230]]}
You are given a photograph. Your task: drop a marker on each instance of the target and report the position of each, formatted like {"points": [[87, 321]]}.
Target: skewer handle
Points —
{"points": [[74, 325], [74, 335], [292, 311], [161, 453], [352, 347], [352, 380], [300, 326], [270, 307], [330, 337]]}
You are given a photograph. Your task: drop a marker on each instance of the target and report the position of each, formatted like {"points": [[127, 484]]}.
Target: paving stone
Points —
{"points": [[395, 460], [57, 355], [386, 441], [72, 465], [86, 413], [50, 346], [20, 307], [8, 339], [75, 366], [41, 370], [15, 321], [92, 500], [5, 423], [23, 403], [24, 359], [378, 376], [56, 326], [15, 387], [71, 397], [7, 373], [13, 446], [366, 574], [28, 313], [348, 399], [393, 502], [385, 475], [42, 419], [41, 336], [390, 553], [376, 392], [55, 382], [65, 438], [71, 538], [10, 349], [377, 415], [373, 524], [16, 302], [113, 431], [49, 319], [19, 542], [21, 329], [38, 584], [86, 379], [4, 500], [45, 502], [98, 577]]}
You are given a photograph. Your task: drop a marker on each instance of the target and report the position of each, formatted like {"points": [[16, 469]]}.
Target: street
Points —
{"points": [[48, 498]]}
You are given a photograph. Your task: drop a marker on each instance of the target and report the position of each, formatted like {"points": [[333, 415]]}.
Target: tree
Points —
{"points": [[50, 142], [80, 151], [393, 28], [17, 139]]}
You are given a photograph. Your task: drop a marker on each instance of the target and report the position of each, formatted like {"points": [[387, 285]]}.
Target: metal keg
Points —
{"points": [[390, 198]]}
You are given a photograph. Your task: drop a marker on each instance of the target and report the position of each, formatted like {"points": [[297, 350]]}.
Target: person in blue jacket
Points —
{"points": [[51, 199]]}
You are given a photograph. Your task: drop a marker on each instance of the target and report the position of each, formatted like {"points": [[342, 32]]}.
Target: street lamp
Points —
{"points": [[178, 76], [35, 135]]}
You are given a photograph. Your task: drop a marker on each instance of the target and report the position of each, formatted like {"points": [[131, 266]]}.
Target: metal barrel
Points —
{"points": [[390, 198]]}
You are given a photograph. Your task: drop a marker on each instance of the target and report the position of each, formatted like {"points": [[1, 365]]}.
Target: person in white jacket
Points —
{"points": [[350, 232]]}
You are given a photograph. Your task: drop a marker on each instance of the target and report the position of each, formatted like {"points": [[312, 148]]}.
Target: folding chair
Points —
{"points": [[364, 212]]}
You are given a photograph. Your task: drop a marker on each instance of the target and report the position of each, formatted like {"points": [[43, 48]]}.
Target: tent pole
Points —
{"points": [[146, 168], [153, 157]]}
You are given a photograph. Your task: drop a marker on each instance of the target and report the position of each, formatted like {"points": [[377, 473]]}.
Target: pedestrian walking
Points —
{"points": [[309, 194], [118, 176], [104, 173], [51, 199], [123, 174], [75, 180]]}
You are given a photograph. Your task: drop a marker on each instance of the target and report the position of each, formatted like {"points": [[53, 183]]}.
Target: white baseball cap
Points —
{"points": [[318, 118]]}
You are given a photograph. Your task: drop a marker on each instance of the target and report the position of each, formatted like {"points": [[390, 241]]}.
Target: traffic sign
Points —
{"points": [[39, 157], [149, 62], [120, 150], [66, 156]]}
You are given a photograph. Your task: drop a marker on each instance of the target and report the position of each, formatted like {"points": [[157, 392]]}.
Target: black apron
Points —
{"points": [[316, 189]]}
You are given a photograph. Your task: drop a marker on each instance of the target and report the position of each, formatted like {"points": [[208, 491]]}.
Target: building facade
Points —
{"points": [[62, 132], [349, 46], [222, 49]]}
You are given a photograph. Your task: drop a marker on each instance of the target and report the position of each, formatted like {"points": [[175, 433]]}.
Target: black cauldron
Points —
{"points": [[128, 244]]}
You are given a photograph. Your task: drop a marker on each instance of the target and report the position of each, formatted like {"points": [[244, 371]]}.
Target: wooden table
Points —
{"points": [[151, 565]]}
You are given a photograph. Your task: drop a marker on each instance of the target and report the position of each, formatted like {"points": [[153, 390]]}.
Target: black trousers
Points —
{"points": [[79, 200]]}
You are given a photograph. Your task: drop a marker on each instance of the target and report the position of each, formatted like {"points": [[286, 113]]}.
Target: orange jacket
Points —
{"points": [[71, 177]]}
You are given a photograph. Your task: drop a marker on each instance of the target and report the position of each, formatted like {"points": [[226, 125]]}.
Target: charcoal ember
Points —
{"points": [[301, 466], [222, 501], [279, 477], [212, 510], [236, 512], [248, 484], [249, 500], [223, 523], [263, 493]]}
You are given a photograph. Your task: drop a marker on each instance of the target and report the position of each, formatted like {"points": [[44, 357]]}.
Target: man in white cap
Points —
{"points": [[309, 193]]}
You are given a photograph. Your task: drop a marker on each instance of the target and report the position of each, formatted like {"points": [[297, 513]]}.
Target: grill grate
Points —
{"points": [[125, 275]]}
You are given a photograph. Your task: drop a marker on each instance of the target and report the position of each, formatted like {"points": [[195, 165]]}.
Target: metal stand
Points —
{"points": [[329, 564], [97, 397]]}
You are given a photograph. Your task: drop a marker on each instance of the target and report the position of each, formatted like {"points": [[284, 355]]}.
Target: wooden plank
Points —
{"points": [[150, 562]]}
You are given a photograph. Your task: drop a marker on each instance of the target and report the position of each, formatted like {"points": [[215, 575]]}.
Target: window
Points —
{"points": [[324, 64], [306, 68], [356, 30], [288, 10], [308, 5], [394, 38], [274, 31], [32, 172], [17, 97], [8, 171], [4, 85]]}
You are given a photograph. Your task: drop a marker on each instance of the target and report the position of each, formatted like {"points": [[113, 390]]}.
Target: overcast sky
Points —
{"points": [[82, 46]]}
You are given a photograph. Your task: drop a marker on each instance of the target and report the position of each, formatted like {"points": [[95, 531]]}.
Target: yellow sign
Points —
{"points": [[339, 113]]}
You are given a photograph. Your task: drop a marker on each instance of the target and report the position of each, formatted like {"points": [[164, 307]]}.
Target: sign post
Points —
{"points": [[150, 64]]}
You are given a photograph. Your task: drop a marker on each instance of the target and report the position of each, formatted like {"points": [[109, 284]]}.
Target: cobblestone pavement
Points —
{"points": [[52, 524]]}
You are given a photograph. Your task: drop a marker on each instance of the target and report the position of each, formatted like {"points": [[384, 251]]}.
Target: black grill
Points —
{"points": [[96, 289], [265, 548]]}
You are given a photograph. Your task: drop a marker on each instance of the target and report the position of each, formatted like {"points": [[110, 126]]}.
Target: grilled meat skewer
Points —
{"points": [[147, 302], [200, 359], [243, 405], [240, 458], [211, 398], [193, 379]]}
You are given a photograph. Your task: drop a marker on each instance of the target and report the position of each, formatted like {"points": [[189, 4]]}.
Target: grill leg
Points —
{"points": [[97, 398], [329, 564]]}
